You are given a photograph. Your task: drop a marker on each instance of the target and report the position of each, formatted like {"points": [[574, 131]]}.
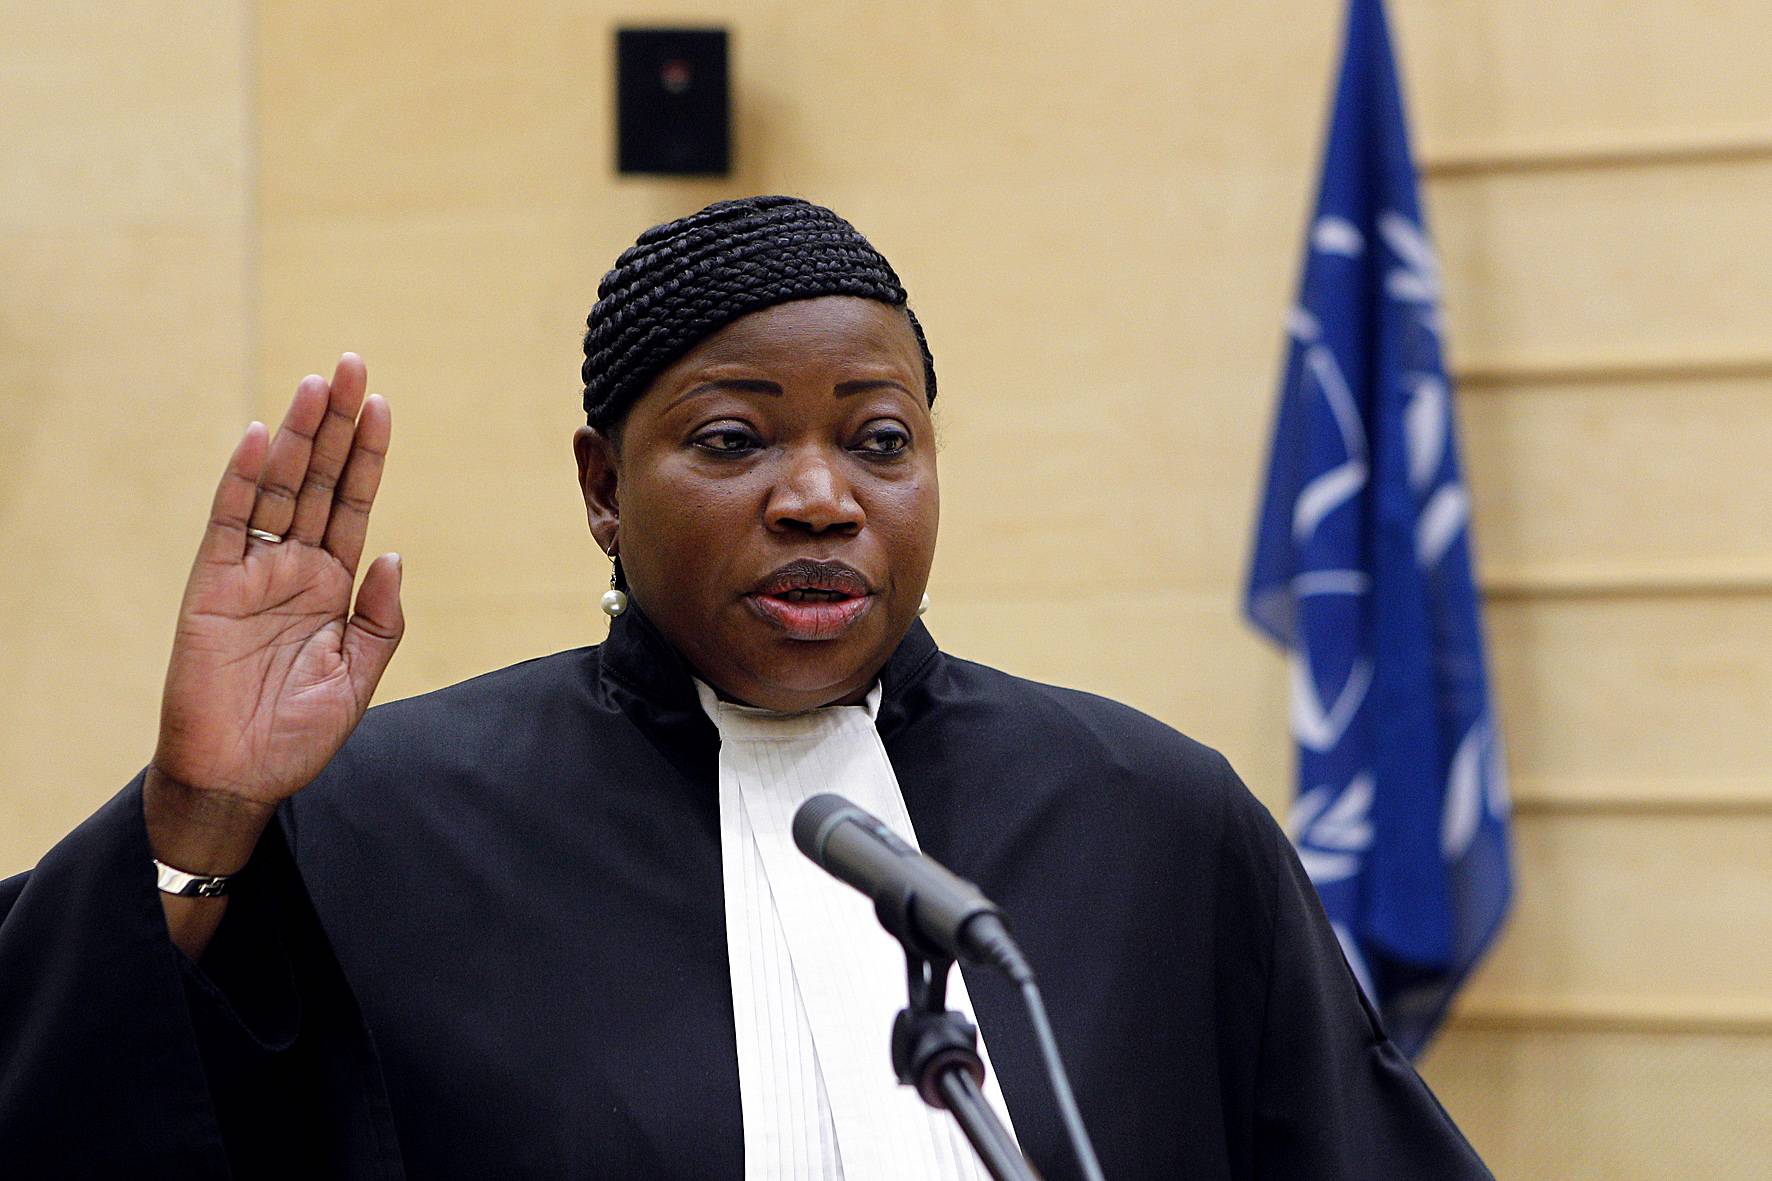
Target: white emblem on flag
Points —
{"points": [[1318, 726], [1464, 795], [1335, 487], [1338, 235], [1477, 780], [1441, 521], [1332, 829], [1418, 279], [1424, 428]]}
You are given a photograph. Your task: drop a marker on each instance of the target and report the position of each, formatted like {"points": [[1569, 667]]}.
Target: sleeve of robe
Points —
{"points": [[119, 1056], [1333, 1099]]}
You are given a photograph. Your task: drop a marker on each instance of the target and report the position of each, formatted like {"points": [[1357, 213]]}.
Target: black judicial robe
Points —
{"points": [[489, 942]]}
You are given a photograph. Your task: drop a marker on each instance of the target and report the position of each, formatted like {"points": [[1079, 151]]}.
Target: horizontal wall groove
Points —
{"points": [[1504, 159], [1527, 583], [1608, 370], [1678, 1016], [1639, 804]]}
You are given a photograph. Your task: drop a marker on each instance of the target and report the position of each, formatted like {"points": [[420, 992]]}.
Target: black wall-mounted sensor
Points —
{"points": [[672, 101]]}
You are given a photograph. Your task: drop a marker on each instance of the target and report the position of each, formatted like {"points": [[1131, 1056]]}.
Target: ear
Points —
{"points": [[599, 480]]}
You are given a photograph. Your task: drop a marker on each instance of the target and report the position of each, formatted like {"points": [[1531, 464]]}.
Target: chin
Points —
{"points": [[805, 674], [753, 662], [790, 691]]}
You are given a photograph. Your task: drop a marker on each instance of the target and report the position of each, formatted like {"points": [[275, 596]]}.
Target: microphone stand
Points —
{"points": [[935, 1050]]}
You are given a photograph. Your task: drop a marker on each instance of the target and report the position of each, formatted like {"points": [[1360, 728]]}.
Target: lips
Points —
{"points": [[812, 599]]}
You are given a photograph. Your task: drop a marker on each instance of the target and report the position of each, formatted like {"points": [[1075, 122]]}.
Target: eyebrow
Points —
{"points": [[742, 385], [845, 388], [745, 385]]}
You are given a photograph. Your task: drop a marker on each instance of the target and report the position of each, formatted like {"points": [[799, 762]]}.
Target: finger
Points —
{"points": [[375, 628], [356, 488], [224, 540], [280, 481], [332, 446]]}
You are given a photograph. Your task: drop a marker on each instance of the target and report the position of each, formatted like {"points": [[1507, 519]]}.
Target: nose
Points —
{"points": [[813, 494]]}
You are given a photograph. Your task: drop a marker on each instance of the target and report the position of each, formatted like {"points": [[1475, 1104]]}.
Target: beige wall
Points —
{"points": [[1601, 176], [126, 353], [1099, 218]]}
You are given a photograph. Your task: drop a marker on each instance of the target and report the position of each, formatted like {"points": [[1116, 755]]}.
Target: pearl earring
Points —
{"points": [[924, 605], [615, 599]]}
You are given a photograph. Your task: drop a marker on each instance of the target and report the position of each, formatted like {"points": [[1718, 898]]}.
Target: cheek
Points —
{"points": [[907, 515], [677, 527]]}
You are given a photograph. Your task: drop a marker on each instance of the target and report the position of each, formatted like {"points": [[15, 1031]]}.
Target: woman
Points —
{"points": [[542, 923]]}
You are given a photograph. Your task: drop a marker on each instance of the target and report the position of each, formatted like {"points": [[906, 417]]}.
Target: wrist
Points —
{"points": [[200, 831]]}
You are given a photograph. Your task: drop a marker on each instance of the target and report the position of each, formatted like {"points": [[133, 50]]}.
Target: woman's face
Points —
{"points": [[774, 500]]}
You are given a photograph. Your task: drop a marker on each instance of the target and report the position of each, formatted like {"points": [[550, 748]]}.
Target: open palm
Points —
{"points": [[271, 668]]}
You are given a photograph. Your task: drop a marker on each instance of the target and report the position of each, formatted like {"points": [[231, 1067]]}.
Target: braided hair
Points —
{"points": [[682, 281]]}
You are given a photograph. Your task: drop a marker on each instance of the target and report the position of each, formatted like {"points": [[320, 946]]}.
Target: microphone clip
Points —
{"points": [[935, 1050], [929, 1039]]}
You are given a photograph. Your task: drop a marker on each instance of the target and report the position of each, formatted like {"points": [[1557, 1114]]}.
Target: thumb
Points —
{"points": [[376, 626]]}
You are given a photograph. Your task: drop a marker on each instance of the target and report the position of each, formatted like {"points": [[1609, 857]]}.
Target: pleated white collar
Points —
{"points": [[816, 981]]}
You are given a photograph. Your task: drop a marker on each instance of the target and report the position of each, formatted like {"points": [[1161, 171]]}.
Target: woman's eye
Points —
{"points": [[885, 440], [725, 440]]}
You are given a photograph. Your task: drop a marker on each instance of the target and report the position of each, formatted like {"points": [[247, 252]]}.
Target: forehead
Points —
{"points": [[832, 330]]}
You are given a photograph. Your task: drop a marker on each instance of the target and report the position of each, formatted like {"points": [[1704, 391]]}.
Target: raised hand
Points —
{"points": [[271, 667]]}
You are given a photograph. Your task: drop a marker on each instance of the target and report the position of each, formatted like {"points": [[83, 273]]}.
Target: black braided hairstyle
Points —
{"points": [[682, 281]]}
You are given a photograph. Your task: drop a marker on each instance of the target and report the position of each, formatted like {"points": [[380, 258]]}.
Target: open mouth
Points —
{"points": [[813, 599], [812, 594]]}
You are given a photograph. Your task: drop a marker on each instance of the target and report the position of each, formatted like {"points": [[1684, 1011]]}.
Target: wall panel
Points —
{"points": [[475, 358], [1620, 481], [1668, 692], [129, 113], [1635, 913], [1609, 1106], [1581, 72], [1627, 263], [125, 245], [1595, 176]]}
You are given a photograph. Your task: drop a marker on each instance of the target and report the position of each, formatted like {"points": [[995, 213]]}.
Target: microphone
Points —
{"points": [[932, 911], [939, 917]]}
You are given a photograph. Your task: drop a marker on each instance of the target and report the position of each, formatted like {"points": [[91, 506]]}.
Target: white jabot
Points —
{"points": [[816, 980]]}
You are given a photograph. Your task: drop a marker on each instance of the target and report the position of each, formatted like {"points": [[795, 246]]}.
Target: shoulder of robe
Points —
{"points": [[1083, 742], [534, 704]]}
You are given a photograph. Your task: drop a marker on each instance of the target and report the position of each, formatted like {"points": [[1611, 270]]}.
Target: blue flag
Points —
{"points": [[1362, 572]]}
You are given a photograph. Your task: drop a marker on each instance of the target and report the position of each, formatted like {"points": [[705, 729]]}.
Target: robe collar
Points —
{"points": [[639, 667]]}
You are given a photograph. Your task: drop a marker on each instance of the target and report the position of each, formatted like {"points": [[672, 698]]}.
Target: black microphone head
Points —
{"points": [[815, 819]]}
